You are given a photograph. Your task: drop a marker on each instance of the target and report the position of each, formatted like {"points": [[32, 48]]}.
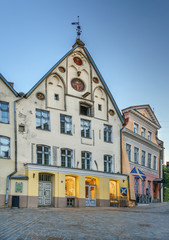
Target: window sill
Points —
{"points": [[4, 122], [5, 157], [69, 134], [86, 137], [108, 142], [43, 130]]}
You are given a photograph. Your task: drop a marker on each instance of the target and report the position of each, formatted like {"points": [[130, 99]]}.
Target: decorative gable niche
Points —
{"points": [[55, 92], [100, 103]]}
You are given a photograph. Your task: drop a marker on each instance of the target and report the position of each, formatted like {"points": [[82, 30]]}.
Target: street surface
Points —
{"points": [[140, 223]]}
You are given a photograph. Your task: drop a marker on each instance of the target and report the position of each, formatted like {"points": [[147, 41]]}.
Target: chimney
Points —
{"points": [[11, 83]]}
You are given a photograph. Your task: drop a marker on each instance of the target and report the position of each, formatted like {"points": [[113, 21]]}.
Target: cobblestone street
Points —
{"points": [[142, 222]]}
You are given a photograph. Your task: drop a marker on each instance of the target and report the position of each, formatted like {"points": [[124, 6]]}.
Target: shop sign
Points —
{"points": [[123, 192]]}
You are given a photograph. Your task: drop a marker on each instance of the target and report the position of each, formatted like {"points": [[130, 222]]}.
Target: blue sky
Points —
{"points": [[128, 39]]}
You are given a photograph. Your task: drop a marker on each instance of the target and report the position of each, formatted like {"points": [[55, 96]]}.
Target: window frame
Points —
{"points": [[8, 145], [149, 155], [107, 138], [66, 124], [142, 151], [43, 152], [136, 124], [85, 128], [66, 157], [155, 161], [88, 107], [137, 155], [130, 159], [108, 163], [144, 132], [149, 136], [42, 119], [3, 110], [86, 159]]}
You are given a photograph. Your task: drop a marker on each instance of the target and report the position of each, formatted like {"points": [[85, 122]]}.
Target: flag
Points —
{"points": [[137, 173]]}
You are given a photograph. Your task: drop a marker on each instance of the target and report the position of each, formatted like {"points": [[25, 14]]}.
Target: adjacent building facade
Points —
{"points": [[142, 154], [60, 144]]}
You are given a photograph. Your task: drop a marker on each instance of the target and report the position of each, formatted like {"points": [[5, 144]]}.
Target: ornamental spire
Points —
{"points": [[78, 29]]}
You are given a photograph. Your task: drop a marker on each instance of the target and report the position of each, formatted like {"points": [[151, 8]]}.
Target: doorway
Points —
{"points": [[90, 191], [45, 190]]}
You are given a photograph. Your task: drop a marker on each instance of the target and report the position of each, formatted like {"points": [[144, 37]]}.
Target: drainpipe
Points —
{"points": [[15, 134], [121, 146]]}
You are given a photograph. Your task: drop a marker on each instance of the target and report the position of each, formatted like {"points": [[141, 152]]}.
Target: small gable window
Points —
{"points": [[85, 110], [56, 97], [99, 107]]}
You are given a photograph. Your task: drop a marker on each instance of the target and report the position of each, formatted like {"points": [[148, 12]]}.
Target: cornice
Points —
{"points": [[75, 171], [143, 139]]}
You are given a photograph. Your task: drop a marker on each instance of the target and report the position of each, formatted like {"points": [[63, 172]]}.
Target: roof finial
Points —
{"points": [[78, 29]]}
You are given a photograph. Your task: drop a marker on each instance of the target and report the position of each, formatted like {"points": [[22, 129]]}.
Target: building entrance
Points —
{"points": [[90, 192], [45, 190]]}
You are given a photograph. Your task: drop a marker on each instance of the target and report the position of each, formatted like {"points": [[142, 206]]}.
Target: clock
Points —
{"points": [[77, 60], [77, 84], [40, 96]]}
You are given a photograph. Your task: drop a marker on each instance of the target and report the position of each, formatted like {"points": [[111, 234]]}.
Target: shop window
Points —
{"points": [[113, 189], [70, 186]]}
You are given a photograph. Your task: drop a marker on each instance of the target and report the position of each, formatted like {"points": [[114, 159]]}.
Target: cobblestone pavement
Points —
{"points": [[141, 223]]}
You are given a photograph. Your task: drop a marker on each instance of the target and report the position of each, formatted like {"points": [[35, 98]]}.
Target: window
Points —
{"points": [[149, 187], [66, 158], [4, 112], [149, 160], [43, 155], [107, 133], [136, 155], [85, 110], [143, 132], [86, 160], [65, 124], [136, 186], [70, 186], [143, 187], [42, 120], [136, 128], [85, 128], [155, 163], [149, 136], [143, 158], [128, 149], [56, 97], [107, 163], [4, 147], [21, 128], [99, 107]]}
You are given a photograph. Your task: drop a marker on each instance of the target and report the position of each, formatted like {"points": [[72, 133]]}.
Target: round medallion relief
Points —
{"points": [[62, 69], [78, 84], [77, 60], [40, 96], [95, 80]]}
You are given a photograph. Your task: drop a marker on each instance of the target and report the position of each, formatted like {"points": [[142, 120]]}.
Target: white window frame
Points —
{"points": [[87, 158], [149, 155], [130, 150], [85, 128], [66, 156], [143, 132], [108, 163], [4, 110], [43, 119], [149, 135], [4, 145], [43, 152], [142, 158], [66, 124], [138, 160], [136, 128], [155, 161], [108, 133]]}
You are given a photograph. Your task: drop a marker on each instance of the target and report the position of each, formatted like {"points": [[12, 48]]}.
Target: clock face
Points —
{"points": [[40, 96], [77, 60], [77, 84]]}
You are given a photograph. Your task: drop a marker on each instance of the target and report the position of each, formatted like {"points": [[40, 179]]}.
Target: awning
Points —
{"points": [[158, 180], [138, 173]]}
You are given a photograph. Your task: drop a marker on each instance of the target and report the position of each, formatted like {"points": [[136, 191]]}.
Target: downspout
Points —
{"points": [[15, 134], [121, 147]]}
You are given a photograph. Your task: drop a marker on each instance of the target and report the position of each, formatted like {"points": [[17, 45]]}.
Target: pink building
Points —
{"points": [[141, 154]]}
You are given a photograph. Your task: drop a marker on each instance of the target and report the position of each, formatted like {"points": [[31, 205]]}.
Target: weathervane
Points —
{"points": [[78, 29]]}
